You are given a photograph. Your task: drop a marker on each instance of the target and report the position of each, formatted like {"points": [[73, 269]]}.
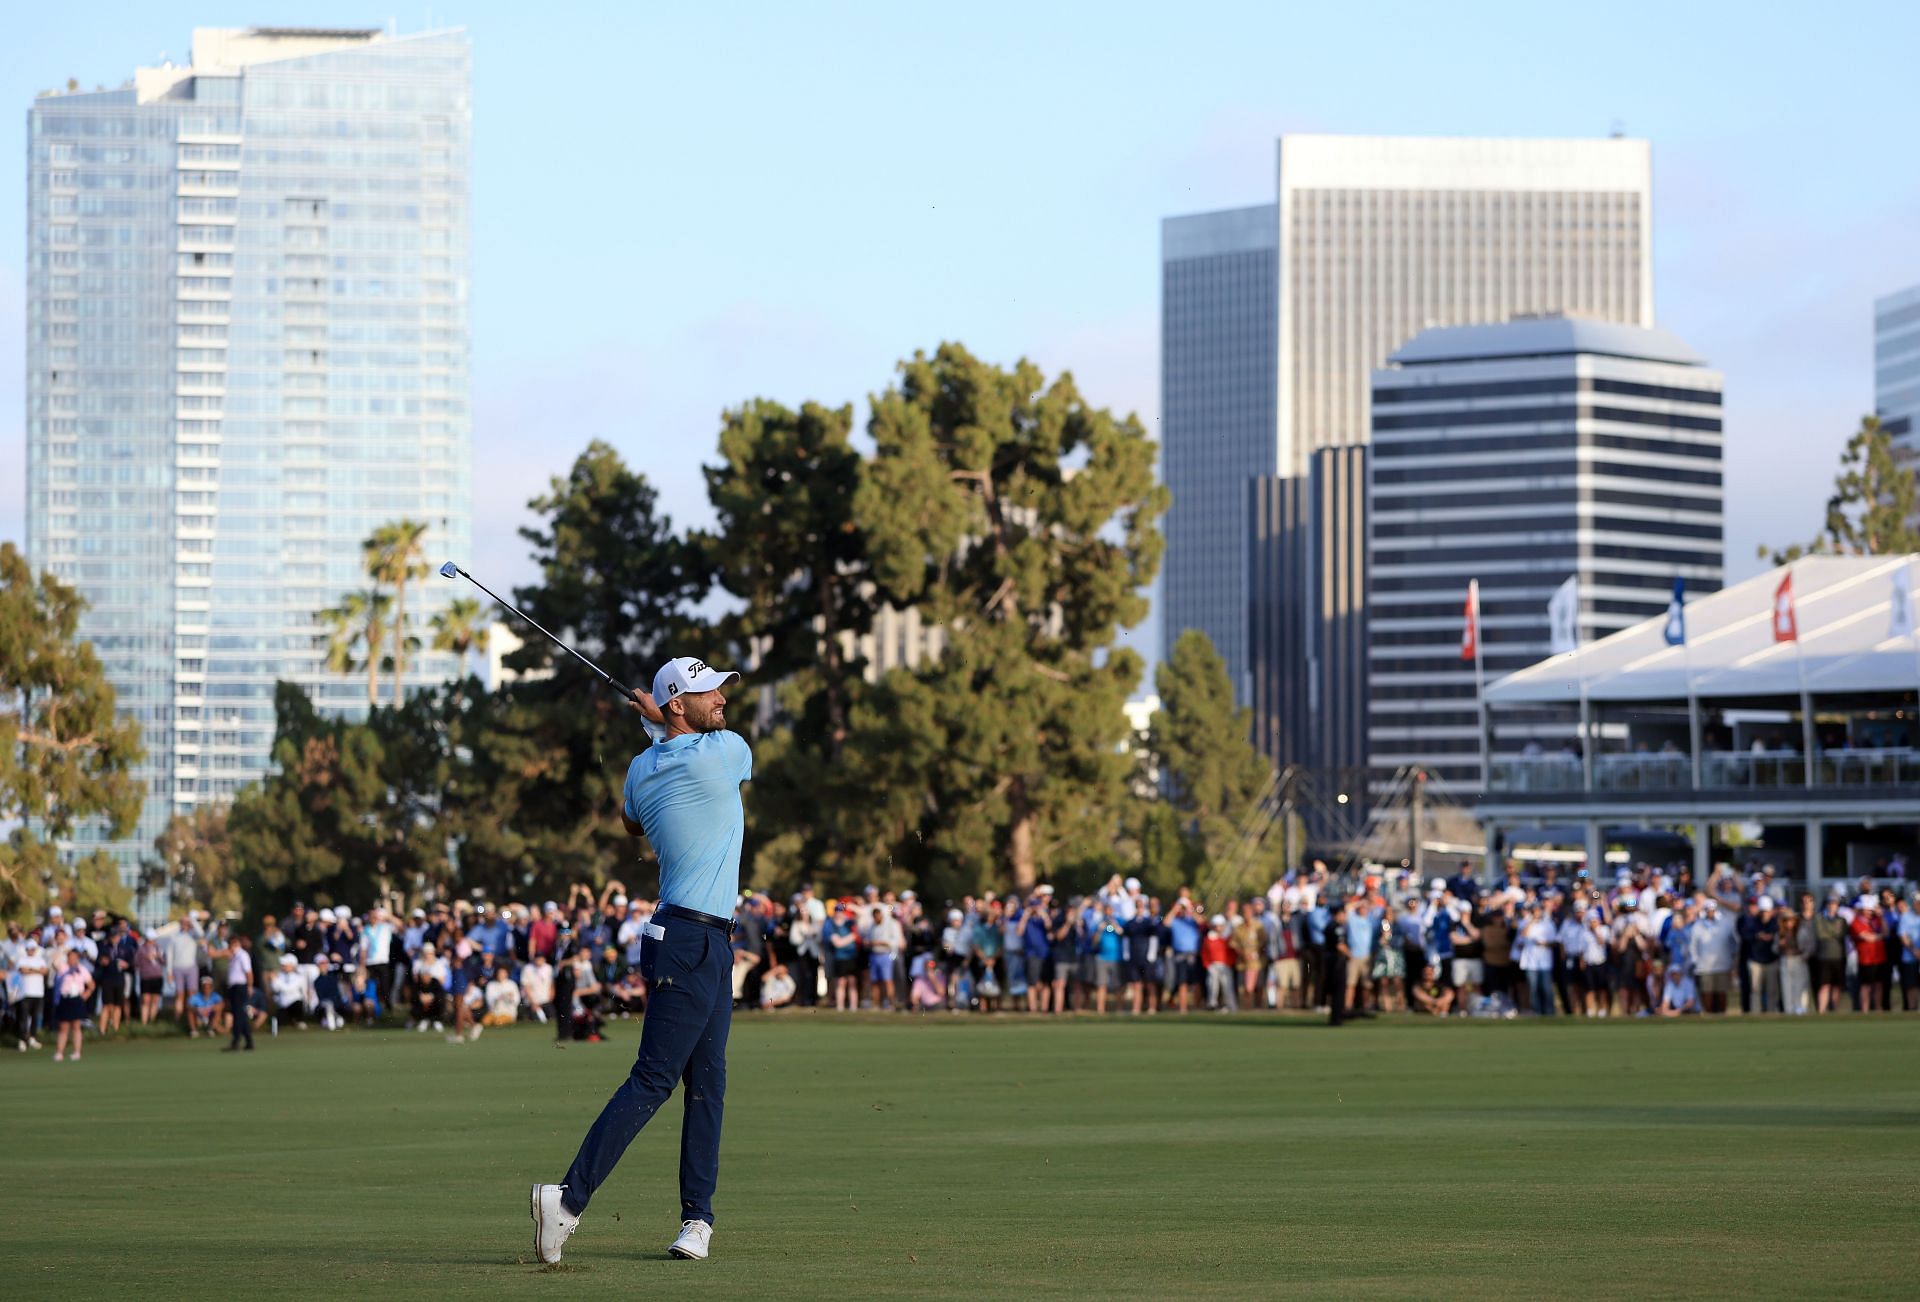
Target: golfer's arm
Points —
{"points": [[644, 702], [633, 828]]}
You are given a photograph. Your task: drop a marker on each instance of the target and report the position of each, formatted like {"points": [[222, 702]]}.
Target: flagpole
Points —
{"points": [[1480, 684], [1913, 618], [1696, 726], [1800, 666]]}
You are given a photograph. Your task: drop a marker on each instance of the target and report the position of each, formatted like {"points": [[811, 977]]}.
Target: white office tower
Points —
{"points": [[1369, 241], [1524, 455], [1896, 369], [247, 348]]}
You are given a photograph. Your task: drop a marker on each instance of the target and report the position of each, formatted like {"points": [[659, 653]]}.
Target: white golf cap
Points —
{"points": [[54, 912], [684, 674], [1766, 903], [1133, 883]]}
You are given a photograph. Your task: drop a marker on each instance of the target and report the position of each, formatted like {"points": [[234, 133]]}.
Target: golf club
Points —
{"points": [[450, 570]]}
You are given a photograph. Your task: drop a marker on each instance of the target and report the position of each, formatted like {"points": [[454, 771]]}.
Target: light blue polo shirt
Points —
{"points": [[685, 791]]}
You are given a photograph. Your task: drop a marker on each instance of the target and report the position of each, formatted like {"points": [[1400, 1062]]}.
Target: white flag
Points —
{"points": [[1900, 622], [1563, 616]]}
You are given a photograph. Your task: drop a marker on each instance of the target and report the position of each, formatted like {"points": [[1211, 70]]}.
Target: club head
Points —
{"points": [[449, 570]]}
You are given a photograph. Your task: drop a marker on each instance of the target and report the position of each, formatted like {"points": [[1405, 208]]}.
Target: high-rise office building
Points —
{"points": [[1522, 455], [1308, 615], [1896, 368], [1370, 240], [247, 348], [1218, 328]]}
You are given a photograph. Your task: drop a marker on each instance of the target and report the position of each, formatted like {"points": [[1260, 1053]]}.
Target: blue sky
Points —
{"points": [[678, 207]]}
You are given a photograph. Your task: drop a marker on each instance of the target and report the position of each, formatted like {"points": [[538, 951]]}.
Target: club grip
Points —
{"points": [[623, 689]]}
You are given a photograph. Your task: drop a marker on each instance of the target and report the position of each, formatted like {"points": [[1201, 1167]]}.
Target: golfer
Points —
{"points": [[683, 795]]}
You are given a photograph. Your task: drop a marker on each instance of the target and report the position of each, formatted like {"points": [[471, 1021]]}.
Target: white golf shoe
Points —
{"points": [[693, 1241], [553, 1224]]}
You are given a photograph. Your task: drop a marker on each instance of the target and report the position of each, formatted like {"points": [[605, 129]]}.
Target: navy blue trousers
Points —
{"points": [[683, 1037]]}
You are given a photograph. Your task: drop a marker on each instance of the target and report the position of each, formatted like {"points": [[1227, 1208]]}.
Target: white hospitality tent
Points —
{"points": [[1855, 647], [1845, 616]]}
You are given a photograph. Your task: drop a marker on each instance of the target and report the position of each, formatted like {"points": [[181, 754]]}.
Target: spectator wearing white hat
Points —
{"points": [[955, 947], [30, 971], [378, 944], [430, 977], [536, 984], [1712, 948], [1535, 944], [288, 991]]}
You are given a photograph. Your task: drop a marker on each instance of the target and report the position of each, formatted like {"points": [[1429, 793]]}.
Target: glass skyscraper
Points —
{"points": [[247, 348], [1273, 317], [1217, 354], [1896, 368]]}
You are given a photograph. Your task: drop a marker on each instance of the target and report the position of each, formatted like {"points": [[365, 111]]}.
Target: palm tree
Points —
{"points": [[360, 620], [341, 634], [394, 555], [458, 629]]}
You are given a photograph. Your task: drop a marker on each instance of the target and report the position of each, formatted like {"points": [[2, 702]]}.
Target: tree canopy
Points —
{"points": [[1203, 742], [1874, 509], [65, 754], [1020, 519]]}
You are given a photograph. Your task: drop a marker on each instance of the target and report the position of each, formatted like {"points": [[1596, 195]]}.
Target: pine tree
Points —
{"points": [[65, 754], [1021, 520], [1204, 745], [1874, 509]]}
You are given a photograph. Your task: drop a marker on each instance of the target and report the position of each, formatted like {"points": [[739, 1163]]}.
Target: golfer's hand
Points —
{"points": [[643, 702]]}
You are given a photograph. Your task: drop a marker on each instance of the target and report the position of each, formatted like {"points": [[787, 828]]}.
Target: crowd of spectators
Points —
{"points": [[1650, 942]]}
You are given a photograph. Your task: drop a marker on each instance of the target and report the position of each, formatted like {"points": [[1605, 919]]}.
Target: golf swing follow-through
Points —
{"points": [[683, 795]]}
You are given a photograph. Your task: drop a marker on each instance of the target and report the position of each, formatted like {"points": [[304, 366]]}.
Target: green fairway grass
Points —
{"points": [[993, 1156]]}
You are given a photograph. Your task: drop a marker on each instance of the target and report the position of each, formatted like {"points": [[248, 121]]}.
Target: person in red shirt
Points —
{"points": [[1216, 956], [1869, 932], [543, 936]]}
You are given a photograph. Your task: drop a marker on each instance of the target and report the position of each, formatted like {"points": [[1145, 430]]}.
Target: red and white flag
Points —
{"points": [[1785, 627], [1470, 635]]}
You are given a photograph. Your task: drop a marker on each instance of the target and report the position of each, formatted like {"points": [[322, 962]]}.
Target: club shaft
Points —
{"points": [[504, 604]]}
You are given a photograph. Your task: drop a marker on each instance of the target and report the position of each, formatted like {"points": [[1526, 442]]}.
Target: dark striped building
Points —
{"points": [[1521, 454], [1307, 634]]}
